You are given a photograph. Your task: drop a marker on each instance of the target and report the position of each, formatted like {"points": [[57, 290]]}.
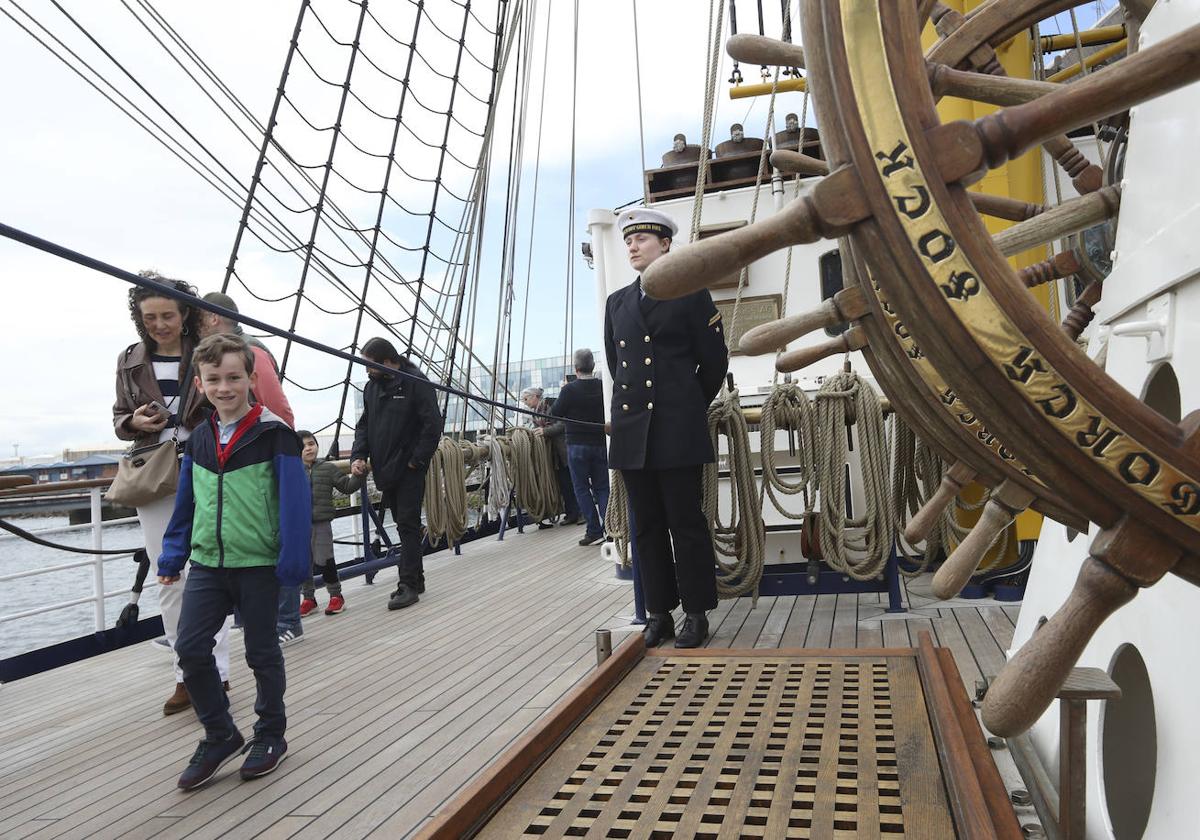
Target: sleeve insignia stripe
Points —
{"points": [[714, 319]]}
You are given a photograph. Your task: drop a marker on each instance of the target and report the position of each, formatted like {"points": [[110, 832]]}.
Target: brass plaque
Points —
{"points": [[751, 312]]}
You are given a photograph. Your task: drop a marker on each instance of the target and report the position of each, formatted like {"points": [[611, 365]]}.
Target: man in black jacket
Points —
{"points": [[399, 431], [583, 399], [667, 359]]}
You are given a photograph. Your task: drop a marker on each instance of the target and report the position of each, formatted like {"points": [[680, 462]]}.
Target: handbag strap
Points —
{"points": [[183, 403]]}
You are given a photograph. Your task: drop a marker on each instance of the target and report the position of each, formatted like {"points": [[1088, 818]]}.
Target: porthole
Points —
{"points": [[1129, 746]]}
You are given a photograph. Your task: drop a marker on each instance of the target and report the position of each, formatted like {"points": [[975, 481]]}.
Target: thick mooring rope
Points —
{"points": [[534, 480], [499, 483], [446, 493], [616, 516], [787, 408], [843, 396], [743, 540], [916, 474]]}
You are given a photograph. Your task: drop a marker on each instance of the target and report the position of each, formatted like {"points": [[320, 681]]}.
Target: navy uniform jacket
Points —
{"points": [[667, 359]]}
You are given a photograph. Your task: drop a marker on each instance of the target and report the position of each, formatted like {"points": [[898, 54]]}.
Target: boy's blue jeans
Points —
{"points": [[589, 474], [208, 597], [289, 611]]}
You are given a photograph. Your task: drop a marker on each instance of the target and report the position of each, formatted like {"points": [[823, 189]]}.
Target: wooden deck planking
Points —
{"points": [[434, 664], [383, 727]]}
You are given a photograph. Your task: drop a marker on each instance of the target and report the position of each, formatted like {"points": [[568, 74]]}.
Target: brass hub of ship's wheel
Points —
{"points": [[897, 192]]}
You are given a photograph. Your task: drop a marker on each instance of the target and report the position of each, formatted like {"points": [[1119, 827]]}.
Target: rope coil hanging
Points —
{"points": [[743, 539], [616, 516], [845, 399], [533, 476], [446, 492], [788, 408]]}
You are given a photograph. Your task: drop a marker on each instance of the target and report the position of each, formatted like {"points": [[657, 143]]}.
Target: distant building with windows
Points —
{"points": [[93, 466], [546, 373]]}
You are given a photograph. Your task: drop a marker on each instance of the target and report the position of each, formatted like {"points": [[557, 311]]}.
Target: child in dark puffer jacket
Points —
{"points": [[323, 478]]}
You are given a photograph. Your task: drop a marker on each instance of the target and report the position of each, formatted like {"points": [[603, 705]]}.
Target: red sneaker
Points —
{"points": [[336, 604], [307, 607]]}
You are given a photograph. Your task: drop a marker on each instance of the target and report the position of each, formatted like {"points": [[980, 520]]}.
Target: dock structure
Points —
{"points": [[391, 713]]}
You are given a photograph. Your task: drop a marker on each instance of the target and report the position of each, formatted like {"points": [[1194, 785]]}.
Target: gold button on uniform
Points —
{"points": [[624, 364], [647, 360], [622, 342], [649, 405], [648, 383], [624, 387], [624, 407], [646, 339]]}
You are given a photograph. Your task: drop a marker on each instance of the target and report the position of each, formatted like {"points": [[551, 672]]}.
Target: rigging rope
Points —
{"points": [[716, 14], [743, 539], [616, 515], [446, 492], [788, 408], [534, 479], [846, 399]]}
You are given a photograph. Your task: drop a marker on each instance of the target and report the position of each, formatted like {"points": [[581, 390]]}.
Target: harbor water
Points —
{"points": [[37, 631]]}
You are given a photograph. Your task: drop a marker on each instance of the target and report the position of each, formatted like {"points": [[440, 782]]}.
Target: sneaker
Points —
{"points": [[404, 596], [162, 644], [336, 604], [308, 606], [592, 539], [289, 637], [542, 526], [264, 756], [207, 760], [178, 701]]}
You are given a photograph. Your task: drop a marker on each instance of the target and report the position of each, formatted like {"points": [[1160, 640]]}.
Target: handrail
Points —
{"points": [[45, 570], [68, 529], [52, 487]]}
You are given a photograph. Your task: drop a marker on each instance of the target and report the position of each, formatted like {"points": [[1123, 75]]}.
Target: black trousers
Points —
{"points": [[404, 501], [674, 545]]}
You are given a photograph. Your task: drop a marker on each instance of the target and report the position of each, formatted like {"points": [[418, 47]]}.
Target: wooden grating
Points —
{"points": [[767, 746]]}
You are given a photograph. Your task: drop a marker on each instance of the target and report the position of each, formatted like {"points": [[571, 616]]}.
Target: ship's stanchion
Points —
{"points": [[895, 601], [603, 646], [98, 565]]}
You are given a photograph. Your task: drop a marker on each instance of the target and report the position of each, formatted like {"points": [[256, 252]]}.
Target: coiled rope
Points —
{"points": [[534, 480], [846, 399], [499, 483], [744, 538], [446, 493], [787, 408], [616, 516], [916, 474]]}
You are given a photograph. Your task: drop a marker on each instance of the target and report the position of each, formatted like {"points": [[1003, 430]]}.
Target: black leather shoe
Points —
{"points": [[404, 596], [659, 628], [421, 587], [694, 632]]}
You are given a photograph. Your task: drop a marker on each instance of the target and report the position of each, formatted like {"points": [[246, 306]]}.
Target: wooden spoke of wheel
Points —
{"points": [[1117, 461], [1085, 176]]}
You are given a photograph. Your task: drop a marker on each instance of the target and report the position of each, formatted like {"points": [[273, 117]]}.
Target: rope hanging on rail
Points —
{"points": [[616, 516], [846, 399], [446, 492], [534, 480], [916, 474], [743, 539], [788, 409]]}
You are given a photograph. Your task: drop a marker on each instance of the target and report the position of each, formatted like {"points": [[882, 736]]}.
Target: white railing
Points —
{"points": [[96, 563]]}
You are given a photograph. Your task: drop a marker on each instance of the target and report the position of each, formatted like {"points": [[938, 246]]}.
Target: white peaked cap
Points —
{"points": [[638, 219]]}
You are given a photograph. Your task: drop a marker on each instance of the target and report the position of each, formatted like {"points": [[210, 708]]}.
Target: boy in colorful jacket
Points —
{"points": [[242, 516]]}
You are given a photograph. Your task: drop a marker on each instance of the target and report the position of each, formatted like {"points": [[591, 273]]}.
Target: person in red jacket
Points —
{"points": [[268, 390]]}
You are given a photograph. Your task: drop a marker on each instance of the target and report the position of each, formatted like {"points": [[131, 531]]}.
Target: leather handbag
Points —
{"points": [[146, 474]]}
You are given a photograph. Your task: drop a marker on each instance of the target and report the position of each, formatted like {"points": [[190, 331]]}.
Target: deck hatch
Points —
{"points": [[789, 746]]}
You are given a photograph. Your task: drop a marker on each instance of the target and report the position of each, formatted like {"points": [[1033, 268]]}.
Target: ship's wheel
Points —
{"points": [[938, 305]]}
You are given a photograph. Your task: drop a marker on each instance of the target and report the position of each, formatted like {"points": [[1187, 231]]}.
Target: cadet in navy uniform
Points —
{"points": [[667, 359]]}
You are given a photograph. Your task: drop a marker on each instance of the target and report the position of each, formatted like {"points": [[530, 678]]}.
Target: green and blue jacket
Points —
{"points": [[246, 503]]}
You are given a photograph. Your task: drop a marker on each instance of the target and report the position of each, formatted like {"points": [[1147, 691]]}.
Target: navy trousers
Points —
{"points": [[208, 597]]}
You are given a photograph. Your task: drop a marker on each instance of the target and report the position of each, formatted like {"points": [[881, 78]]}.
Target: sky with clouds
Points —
{"points": [[79, 172]]}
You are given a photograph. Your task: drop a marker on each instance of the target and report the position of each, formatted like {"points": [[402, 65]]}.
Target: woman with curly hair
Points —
{"points": [[156, 401]]}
